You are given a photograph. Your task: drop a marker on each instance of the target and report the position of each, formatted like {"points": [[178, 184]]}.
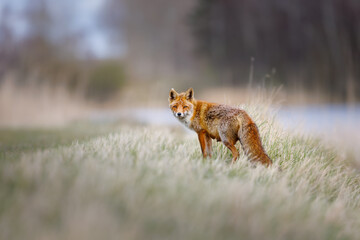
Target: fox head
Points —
{"points": [[182, 104]]}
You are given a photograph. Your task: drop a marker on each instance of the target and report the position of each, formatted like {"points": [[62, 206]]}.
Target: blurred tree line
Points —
{"points": [[304, 44], [301, 44], [51, 52], [159, 44]]}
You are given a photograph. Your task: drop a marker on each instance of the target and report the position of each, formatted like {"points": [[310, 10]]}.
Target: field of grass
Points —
{"points": [[139, 182]]}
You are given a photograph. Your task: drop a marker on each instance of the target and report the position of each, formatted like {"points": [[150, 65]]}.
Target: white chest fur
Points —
{"points": [[187, 119]]}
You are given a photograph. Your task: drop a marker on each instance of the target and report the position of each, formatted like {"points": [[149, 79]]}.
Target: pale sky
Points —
{"points": [[83, 14]]}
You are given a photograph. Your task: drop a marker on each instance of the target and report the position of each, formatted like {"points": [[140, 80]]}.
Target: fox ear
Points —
{"points": [[189, 94], [172, 95]]}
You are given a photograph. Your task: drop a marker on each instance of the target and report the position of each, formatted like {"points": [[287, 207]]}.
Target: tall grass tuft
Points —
{"points": [[152, 183]]}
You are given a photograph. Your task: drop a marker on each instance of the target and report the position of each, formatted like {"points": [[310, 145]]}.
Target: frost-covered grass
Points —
{"points": [[152, 183]]}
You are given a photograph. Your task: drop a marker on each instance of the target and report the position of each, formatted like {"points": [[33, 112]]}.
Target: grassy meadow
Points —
{"points": [[145, 182]]}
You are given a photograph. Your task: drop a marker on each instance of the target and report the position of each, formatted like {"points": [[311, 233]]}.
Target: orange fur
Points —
{"points": [[221, 122]]}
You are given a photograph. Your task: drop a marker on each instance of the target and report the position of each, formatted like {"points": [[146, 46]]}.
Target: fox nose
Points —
{"points": [[179, 114]]}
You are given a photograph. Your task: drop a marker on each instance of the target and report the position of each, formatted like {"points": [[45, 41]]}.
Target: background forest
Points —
{"points": [[106, 50]]}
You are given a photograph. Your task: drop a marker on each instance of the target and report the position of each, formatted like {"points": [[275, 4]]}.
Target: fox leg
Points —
{"points": [[229, 139], [208, 145], [230, 144], [233, 150], [205, 143]]}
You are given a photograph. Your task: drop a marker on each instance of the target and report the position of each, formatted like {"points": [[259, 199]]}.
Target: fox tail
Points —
{"points": [[251, 144]]}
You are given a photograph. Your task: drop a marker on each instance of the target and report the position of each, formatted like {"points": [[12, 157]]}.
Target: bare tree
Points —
{"points": [[157, 38]]}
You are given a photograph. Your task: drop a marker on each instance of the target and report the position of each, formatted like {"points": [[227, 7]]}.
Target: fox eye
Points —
{"points": [[185, 107], [174, 107]]}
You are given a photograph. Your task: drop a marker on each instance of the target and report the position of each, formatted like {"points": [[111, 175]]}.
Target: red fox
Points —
{"points": [[221, 122]]}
